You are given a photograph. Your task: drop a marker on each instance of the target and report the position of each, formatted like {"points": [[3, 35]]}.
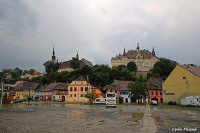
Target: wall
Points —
{"points": [[176, 87]]}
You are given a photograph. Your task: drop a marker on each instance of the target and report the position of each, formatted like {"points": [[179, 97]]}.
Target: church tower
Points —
{"points": [[138, 47], [77, 56], [124, 53], [153, 52], [53, 57]]}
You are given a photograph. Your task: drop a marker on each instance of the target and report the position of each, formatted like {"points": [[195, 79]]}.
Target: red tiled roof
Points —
{"points": [[80, 78], [192, 69], [155, 83], [66, 64], [51, 86], [123, 85]]}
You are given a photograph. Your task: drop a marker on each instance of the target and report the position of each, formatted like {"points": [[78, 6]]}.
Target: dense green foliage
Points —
{"points": [[51, 67], [75, 63], [163, 68], [138, 90], [132, 66]]}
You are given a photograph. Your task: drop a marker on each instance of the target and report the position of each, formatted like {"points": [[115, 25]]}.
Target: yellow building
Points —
{"points": [[77, 89], [19, 95], [27, 90], [183, 81], [143, 59]]}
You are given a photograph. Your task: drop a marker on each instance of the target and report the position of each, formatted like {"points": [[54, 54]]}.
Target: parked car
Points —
{"points": [[154, 102], [100, 101], [59, 100], [17, 101], [172, 103]]}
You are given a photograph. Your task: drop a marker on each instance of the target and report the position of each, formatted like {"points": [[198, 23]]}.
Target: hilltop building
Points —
{"points": [[144, 59], [183, 81], [67, 65]]}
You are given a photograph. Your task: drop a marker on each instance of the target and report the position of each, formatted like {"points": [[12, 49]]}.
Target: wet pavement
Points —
{"points": [[59, 118], [179, 120]]}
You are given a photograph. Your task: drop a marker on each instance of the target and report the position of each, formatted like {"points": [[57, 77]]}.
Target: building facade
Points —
{"points": [[183, 81], [121, 89], [76, 90], [154, 86], [144, 59], [67, 65]]}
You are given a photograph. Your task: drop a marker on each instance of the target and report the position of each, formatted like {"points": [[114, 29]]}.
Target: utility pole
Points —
{"points": [[2, 89], [1, 92]]}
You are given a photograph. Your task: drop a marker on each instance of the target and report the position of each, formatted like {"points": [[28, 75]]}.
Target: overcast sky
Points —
{"points": [[97, 30]]}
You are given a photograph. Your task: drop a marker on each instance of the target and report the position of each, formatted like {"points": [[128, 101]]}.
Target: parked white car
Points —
{"points": [[154, 102], [100, 101]]}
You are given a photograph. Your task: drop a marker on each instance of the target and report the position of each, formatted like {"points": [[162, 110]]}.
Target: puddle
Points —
{"points": [[89, 124], [136, 117], [159, 121], [81, 119], [132, 125], [102, 121], [174, 110], [78, 112]]}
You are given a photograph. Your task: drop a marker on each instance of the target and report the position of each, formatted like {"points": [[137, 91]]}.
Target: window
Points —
{"points": [[74, 95], [70, 95], [115, 91], [75, 89], [152, 93], [70, 88], [110, 90], [160, 92], [81, 95], [86, 89], [156, 92], [81, 88]]}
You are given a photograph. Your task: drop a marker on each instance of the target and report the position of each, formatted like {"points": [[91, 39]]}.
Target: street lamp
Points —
{"points": [[2, 89]]}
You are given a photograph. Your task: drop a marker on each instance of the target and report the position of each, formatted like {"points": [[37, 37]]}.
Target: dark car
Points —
{"points": [[172, 103]]}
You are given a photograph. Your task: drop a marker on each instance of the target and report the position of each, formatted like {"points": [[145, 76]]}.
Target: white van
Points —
{"points": [[111, 99], [100, 101]]}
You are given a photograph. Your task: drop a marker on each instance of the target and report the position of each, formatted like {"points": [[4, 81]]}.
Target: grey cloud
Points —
{"points": [[98, 30]]}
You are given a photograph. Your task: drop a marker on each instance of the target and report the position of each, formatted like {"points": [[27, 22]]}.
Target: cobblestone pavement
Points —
{"points": [[59, 118], [179, 120]]}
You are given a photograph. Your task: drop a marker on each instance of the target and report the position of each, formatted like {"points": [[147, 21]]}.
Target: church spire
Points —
{"points": [[138, 47], [77, 56], [53, 57], [124, 51], [53, 51], [153, 52]]}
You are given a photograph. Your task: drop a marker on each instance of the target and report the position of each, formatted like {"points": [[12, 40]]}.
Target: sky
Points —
{"points": [[97, 30]]}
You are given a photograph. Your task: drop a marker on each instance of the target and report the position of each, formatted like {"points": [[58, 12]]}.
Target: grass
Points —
{"points": [[164, 105], [142, 104]]}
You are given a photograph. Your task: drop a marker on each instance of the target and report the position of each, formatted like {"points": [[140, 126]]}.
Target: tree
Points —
{"points": [[91, 96], [51, 67], [101, 76], [132, 66], [75, 63], [86, 70], [164, 67], [122, 73], [138, 90]]}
